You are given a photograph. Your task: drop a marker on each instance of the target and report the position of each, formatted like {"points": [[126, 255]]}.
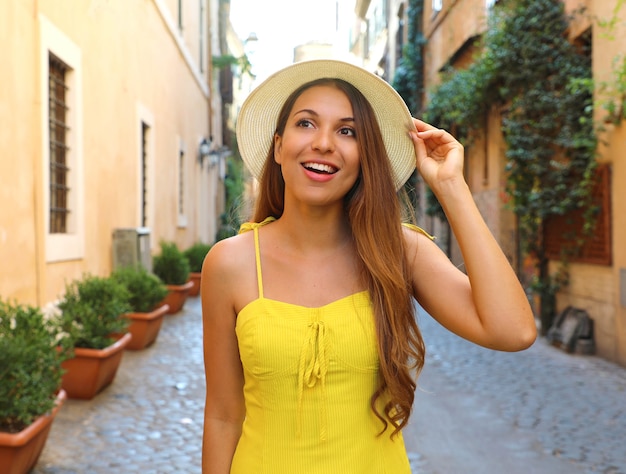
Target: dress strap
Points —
{"points": [[257, 255], [254, 226], [418, 229]]}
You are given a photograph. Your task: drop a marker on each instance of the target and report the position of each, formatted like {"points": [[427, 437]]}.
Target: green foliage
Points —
{"points": [[30, 365], [408, 79], [230, 220], [543, 84], [223, 61], [92, 311], [195, 255], [613, 93], [146, 290], [228, 60], [171, 266]]}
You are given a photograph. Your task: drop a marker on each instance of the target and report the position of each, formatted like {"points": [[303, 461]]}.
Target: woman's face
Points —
{"points": [[318, 150]]}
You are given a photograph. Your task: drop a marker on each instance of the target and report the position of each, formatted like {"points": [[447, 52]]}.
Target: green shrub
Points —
{"points": [[195, 255], [30, 365], [146, 289], [93, 309], [171, 266]]}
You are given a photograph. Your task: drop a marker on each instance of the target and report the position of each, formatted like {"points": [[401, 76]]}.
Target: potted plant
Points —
{"points": [[92, 313], [171, 266], [195, 256], [30, 375], [146, 292]]}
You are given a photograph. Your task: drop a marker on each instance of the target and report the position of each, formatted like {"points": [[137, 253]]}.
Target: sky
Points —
{"points": [[280, 25]]}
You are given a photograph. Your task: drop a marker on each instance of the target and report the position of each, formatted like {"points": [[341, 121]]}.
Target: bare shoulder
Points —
{"points": [[227, 256], [228, 272], [425, 258], [417, 239]]}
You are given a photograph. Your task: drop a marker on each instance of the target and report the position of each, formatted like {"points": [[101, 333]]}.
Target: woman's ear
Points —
{"points": [[278, 149]]}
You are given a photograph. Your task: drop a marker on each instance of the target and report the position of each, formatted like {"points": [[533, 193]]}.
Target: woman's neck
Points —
{"points": [[314, 229]]}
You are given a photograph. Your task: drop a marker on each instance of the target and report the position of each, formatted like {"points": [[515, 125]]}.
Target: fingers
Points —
{"points": [[421, 153], [422, 126], [437, 136], [426, 131]]}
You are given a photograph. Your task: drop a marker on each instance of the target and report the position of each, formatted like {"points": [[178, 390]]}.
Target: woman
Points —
{"points": [[310, 340]]}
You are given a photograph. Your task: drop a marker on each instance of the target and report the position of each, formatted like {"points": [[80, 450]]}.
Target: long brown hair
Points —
{"points": [[374, 212]]}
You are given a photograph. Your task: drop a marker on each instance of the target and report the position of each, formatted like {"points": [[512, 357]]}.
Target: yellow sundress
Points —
{"points": [[309, 377]]}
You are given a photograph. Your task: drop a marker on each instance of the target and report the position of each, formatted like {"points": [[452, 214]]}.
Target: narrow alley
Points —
{"points": [[477, 411]]}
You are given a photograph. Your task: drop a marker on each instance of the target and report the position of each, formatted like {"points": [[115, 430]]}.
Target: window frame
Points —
{"points": [[69, 245], [181, 184]]}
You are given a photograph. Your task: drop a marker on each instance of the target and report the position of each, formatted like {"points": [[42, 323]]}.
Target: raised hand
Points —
{"points": [[439, 155]]}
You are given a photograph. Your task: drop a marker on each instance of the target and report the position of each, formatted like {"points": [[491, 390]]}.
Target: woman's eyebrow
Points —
{"points": [[315, 114]]}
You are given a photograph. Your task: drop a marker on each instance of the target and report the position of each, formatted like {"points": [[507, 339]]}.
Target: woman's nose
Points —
{"points": [[323, 141]]}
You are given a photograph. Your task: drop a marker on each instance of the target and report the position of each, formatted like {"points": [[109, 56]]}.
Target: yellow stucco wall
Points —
{"points": [[469, 20], [133, 66], [598, 289], [618, 146]]}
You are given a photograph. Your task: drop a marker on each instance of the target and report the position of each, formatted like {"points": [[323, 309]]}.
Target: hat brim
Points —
{"points": [[256, 121]]}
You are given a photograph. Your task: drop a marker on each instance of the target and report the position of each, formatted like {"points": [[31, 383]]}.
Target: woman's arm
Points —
{"points": [[487, 305], [224, 409]]}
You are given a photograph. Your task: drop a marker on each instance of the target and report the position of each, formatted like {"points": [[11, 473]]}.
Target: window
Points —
{"points": [[62, 189], [145, 129], [146, 179], [202, 35], [180, 15], [59, 150], [182, 183], [561, 230]]}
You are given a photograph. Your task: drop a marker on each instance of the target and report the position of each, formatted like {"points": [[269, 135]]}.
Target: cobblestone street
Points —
{"points": [[524, 410], [149, 420], [539, 411]]}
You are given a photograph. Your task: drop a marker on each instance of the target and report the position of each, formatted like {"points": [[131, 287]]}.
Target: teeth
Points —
{"points": [[322, 168]]}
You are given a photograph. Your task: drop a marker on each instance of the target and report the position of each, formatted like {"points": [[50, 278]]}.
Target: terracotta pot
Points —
{"points": [[195, 278], [19, 452], [91, 370], [176, 297], [145, 327]]}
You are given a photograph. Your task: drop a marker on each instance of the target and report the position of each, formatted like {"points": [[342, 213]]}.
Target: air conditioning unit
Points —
{"points": [[131, 247]]}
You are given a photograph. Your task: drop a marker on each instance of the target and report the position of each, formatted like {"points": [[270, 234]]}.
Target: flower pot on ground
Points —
{"points": [[92, 370], [177, 296], [93, 313], [145, 327], [172, 267], [31, 353], [195, 256], [146, 292], [19, 452]]}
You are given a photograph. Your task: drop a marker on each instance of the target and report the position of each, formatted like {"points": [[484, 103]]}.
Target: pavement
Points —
{"points": [[476, 411]]}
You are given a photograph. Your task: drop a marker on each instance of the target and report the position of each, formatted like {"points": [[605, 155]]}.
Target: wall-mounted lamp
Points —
{"points": [[204, 150]]}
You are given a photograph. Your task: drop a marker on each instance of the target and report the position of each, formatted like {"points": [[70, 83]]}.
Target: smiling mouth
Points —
{"points": [[320, 168]]}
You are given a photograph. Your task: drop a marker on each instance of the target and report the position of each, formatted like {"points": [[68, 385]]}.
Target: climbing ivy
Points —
{"points": [[408, 79], [228, 60], [612, 93], [543, 86], [409, 76]]}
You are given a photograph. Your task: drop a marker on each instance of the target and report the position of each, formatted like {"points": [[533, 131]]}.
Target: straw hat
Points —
{"points": [[257, 119]]}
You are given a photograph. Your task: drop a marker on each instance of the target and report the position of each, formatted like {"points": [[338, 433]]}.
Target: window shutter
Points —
{"points": [[560, 231]]}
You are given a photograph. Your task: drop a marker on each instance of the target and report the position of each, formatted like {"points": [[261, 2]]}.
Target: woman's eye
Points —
{"points": [[347, 131], [305, 123]]}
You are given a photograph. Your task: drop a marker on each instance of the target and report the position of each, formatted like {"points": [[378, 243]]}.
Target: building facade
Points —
{"points": [[104, 106], [450, 30]]}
